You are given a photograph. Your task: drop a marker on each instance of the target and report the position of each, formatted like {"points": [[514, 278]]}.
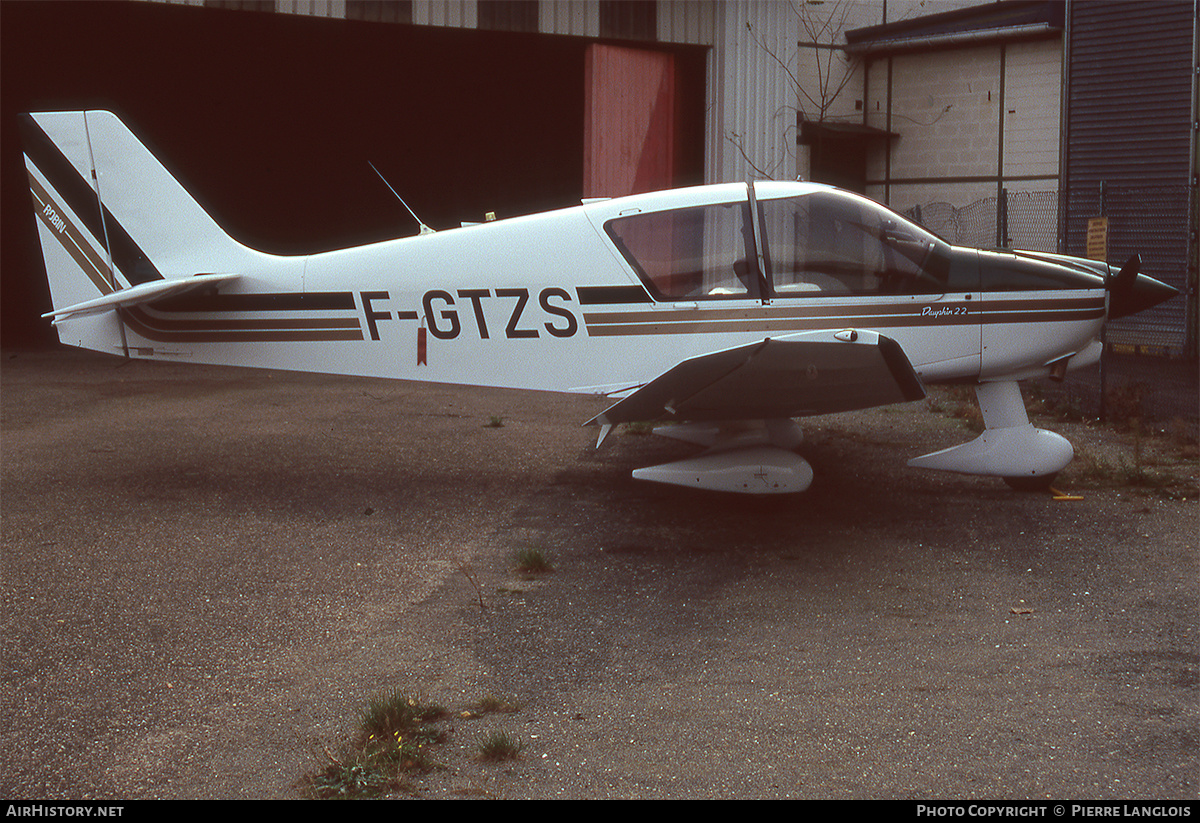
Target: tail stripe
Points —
{"points": [[71, 238], [67, 182], [225, 331]]}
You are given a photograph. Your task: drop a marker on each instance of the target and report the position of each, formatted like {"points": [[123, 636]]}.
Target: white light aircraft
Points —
{"points": [[728, 310]]}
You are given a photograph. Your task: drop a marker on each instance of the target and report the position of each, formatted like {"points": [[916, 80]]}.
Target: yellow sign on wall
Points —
{"points": [[1097, 238]]}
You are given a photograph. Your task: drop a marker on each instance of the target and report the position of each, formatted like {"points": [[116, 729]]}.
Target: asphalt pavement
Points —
{"points": [[208, 572]]}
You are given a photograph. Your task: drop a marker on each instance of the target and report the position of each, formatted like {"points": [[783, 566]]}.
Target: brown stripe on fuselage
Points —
{"points": [[213, 330], [805, 318]]}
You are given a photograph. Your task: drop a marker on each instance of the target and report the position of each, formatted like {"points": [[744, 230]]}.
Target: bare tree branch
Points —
{"points": [[736, 139], [824, 34]]}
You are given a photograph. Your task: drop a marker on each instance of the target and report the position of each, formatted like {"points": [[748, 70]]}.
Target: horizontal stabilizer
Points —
{"points": [[144, 293]]}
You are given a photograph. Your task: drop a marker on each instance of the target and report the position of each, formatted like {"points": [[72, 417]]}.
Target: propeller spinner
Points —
{"points": [[1130, 291]]}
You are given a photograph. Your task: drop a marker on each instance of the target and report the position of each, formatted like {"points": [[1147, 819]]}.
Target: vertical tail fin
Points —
{"points": [[111, 218]]}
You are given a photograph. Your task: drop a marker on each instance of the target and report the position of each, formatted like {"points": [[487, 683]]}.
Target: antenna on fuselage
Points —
{"points": [[424, 229]]}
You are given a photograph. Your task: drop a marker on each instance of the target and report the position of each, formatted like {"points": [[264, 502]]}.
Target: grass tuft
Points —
{"points": [[500, 745], [958, 403], [533, 559], [1099, 472], [490, 704], [396, 712], [352, 778], [394, 738]]}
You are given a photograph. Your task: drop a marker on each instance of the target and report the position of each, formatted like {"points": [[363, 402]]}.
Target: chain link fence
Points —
{"points": [[1149, 369], [1020, 220]]}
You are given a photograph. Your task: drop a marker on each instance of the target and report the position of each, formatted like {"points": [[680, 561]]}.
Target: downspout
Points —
{"points": [[1001, 191], [1192, 311], [1064, 128]]}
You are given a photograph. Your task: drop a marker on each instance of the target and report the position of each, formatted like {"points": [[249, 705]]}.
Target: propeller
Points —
{"points": [[1131, 291]]}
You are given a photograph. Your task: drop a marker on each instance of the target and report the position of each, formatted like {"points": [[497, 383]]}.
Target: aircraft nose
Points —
{"points": [[1131, 292]]}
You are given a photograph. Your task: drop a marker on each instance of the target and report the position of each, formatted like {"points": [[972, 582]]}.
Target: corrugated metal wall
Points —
{"points": [[1129, 91], [752, 102], [673, 22]]}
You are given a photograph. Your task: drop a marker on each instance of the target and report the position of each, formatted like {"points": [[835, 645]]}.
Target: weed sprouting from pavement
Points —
{"points": [[490, 704], [396, 712], [395, 734], [1099, 472], [352, 777], [533, 559], [470, 575], [500, 745]]}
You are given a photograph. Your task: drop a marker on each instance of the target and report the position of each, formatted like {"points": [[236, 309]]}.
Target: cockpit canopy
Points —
{"points": [[820, 242]]}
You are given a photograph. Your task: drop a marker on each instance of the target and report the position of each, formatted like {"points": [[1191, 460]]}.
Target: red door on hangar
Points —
{"points": [[630, 114]]}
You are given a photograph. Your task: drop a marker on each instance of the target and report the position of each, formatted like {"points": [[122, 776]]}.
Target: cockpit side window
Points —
{"points": [[691, 253], [828, 244]]}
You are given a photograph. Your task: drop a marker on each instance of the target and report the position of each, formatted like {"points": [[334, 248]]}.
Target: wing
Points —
{"points": [[797, 375]]}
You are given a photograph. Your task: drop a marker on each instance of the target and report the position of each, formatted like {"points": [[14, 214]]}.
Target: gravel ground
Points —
{"points": [[208, 572]]}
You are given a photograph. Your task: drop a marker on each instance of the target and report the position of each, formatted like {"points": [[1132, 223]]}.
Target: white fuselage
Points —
{"points": [[548, 302]]}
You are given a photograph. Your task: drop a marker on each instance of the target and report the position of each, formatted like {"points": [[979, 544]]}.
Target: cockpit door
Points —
{"points": [[695, 255], [838, 260]]}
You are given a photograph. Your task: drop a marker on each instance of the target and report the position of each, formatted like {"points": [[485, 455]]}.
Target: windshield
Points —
{"points": [[834, 243]]}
